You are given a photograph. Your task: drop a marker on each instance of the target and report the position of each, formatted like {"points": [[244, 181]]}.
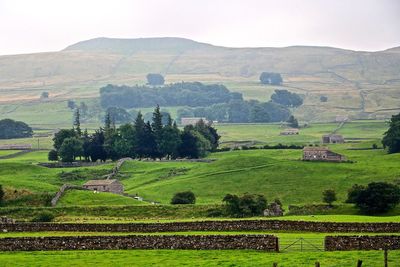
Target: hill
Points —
{"points": [[360, 84]]}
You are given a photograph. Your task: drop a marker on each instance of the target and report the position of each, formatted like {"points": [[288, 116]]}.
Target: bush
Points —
{"points": [[53, 155], [44, 216], [186, 197]]}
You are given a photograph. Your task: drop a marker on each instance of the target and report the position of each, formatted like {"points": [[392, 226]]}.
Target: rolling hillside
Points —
{"points": [[361, 84]]}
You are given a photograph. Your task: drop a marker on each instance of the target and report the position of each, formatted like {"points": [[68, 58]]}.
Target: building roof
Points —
{"points": [[291, 130], [100, 182], [316, 148]]}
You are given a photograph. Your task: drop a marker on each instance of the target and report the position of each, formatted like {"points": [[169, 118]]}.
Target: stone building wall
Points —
{"points": [[198, 242]]}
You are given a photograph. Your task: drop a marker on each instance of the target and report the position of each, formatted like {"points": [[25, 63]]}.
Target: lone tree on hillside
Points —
{"points": [[376, 198], [286, 98], [186, 197], [245, 206], [329, 196], [391, 138], [271, 78], [155, 79]]}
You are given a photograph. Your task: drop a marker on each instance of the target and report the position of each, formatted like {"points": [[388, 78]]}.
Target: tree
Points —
{"points": [[244, 206], [71, 104], [83, 109], [96, 149], [323, 98], [77, 122], [70, 149], [391, 138], [61, 135], [286, 98], [377, 197], [292, 121], [271, 78], [44, 95], [53, 155], [170, 140], [14, 129], [1, 195], [209, 133], [186, 197], [155, 79], [194, 144], [119, 115], [353, 193], [329, 196], [258, 114]]}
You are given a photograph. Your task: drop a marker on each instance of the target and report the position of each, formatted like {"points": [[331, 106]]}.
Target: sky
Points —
{"points": [[29, 26]]}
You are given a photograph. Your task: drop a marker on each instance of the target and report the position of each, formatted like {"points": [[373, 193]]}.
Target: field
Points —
{"points": [[194, 258]]}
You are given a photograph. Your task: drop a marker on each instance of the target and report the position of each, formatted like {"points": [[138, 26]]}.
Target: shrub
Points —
{"points": [[44, 216], [186, 197], [53, 155]]}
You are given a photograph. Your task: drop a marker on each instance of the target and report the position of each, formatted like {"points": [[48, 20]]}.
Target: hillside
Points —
{"points": [[361, 84]]}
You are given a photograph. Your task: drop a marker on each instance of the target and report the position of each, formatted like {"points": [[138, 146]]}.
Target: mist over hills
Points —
{"points": [[361, 84]]}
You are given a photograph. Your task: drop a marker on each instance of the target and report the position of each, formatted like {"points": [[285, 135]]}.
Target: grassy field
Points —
{"points": [[88, 198], [194, 258]]}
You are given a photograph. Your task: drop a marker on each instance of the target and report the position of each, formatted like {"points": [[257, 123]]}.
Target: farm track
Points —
{"points": [[17, 154]]}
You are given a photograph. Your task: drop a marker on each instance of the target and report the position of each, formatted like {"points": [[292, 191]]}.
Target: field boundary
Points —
{"points": [[237, 225]]}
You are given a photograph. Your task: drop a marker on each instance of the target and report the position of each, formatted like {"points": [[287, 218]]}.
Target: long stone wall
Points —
{"points": [[236, 225], [198, 242], [333, 243]]}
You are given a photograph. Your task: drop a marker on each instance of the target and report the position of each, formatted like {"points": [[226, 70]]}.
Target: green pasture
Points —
{"points": [[194, 258], [89, 198]]}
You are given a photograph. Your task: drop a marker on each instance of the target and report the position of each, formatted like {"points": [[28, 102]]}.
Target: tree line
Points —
{"points": [[191, 94], [243, 111], [14, 129], [137, 140]]}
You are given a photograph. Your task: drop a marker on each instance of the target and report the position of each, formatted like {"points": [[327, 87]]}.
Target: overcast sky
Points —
{"points": [[28, 26]]}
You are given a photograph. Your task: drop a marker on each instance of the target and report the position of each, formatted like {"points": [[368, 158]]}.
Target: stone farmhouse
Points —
{"points": [[321, 154], [108, 185], [332, 139], [290, 131], [192, 121]]}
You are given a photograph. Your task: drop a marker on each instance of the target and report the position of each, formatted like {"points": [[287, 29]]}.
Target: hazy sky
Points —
{"points": [[47, 25]]}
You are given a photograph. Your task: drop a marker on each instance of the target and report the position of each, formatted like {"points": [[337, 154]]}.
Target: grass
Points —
{"points": [[193, 258], [89, 198]]}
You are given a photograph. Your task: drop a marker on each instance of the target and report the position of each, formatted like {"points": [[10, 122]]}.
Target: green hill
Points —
{"points": [[359, 84]]}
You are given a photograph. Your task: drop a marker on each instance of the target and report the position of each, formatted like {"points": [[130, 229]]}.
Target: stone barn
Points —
{"points": [[290, 131], [109, 185], [332, 139], [321, 154], [192, 121]]}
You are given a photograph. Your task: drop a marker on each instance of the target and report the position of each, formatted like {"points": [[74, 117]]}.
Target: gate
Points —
{"points": [[301, 244]]}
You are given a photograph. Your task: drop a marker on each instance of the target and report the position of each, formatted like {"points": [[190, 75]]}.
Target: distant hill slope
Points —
{"points": [[361, 84]]}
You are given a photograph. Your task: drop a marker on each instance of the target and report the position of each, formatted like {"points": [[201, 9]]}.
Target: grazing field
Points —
{"points": [[194, 258], [89, 198]]}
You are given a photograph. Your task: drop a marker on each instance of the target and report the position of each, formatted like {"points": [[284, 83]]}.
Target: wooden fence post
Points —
{"points": [[359, 263], [385, 256], [317, 264]]}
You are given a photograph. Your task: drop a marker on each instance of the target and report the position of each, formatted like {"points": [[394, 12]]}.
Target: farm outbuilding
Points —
{"points": [[108, 185], [290, 131], [321, 154], [332, 139]]}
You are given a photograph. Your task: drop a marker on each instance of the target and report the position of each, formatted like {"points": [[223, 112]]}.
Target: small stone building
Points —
{"points": [[332, 139], [290, 131], [192, 121], [108, 185], [321, 154], [342, 118]]}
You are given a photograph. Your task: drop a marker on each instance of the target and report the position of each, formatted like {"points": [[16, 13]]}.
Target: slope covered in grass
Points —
{"points": [[274, 173], [89, 198]]}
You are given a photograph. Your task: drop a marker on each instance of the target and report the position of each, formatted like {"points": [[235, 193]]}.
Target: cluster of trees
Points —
{"points": [[14, 129], [155, 79], [241, 111], [271, 78], [375, 198], [138, 140], [391, 138], [191, 94]]}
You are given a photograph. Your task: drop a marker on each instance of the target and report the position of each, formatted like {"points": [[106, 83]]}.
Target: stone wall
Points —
{"points": [[378, 242], [236, 225], [61, 192], [198, 242]]}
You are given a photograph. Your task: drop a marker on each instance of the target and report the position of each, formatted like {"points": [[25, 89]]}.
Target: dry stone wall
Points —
{"points": [[197, 242], [333, 243], [236, 225]]}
